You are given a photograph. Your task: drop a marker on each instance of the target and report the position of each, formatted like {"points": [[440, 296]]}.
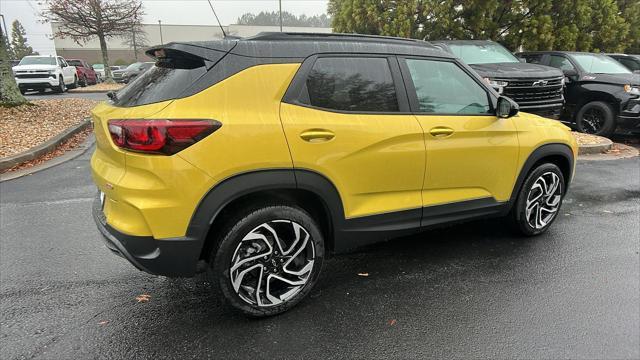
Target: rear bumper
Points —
{"points": [[168, 257]]}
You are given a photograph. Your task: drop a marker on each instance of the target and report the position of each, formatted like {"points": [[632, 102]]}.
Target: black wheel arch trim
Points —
{"points": [[541, 152]]}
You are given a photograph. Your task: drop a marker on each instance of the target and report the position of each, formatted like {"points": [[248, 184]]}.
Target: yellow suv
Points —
{"points": [[254, 159]]}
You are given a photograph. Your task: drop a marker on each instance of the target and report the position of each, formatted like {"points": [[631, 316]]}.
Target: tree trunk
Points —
{"points": [[105, 59], [9, 93]]}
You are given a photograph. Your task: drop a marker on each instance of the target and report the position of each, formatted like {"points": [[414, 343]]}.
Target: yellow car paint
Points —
{"points": [[379, 163]]}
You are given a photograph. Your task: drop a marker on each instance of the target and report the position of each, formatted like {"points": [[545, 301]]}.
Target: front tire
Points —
{"points": [[597, 118], [74, 85], [539, 200], [268, 260], [61, 88]]}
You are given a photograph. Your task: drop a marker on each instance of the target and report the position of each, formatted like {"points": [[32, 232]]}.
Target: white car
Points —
{"points": [[45, 72]]}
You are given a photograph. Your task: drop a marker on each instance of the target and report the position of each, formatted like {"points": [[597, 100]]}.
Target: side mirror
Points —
{"points": [[522, 60], [506, 108], [570, 73]]}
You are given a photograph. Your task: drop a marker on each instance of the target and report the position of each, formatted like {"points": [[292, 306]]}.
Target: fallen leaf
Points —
{"points": [[143, 298], [363, 274], [392, 322], [103, 322]]}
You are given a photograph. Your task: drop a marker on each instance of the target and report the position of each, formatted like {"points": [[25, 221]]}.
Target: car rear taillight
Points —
{"points": [[160, 136]]}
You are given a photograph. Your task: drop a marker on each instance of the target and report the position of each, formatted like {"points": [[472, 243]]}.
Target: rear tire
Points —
{"points": [[597, 118], [539, 200], [83, 82], [268, 260]]}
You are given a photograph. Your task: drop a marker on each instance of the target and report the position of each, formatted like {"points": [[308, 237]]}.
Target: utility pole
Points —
{"points": [[161, 41], [280, 3], [135, 48]]}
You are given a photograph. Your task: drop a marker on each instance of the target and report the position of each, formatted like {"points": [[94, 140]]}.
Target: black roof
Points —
{"points": [[302, 45]]}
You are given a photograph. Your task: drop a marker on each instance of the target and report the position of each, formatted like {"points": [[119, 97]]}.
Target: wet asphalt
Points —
{"points": [[470, 291]]}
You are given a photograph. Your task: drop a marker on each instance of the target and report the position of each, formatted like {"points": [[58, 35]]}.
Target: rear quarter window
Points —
{"points": [[168, 79]]}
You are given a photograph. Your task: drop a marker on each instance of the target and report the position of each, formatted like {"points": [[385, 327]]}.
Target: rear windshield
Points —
{"points": [[75, 63], [159, 83]]}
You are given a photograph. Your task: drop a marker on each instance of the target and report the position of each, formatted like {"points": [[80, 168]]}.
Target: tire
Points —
{"points": [[83, 82], [539, 181], [61, 88], [597, 118], [74, 84], [252, 232]]}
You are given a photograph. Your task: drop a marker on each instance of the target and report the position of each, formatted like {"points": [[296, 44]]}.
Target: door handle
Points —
{"points": [[441, 131], [317, 135]]}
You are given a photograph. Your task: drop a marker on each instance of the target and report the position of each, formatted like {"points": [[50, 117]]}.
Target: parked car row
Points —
{"points": [[594, 93]]}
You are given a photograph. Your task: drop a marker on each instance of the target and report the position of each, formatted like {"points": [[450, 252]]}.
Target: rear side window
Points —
{"points": [[351, 84]]}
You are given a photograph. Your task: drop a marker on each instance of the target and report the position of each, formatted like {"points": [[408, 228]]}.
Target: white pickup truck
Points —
{"points": [[45, 72]]}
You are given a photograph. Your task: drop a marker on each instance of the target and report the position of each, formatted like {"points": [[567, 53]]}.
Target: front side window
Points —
{"points": [[599, 64], [533, 58], [444, 88], [351, 84], [560, 62]]}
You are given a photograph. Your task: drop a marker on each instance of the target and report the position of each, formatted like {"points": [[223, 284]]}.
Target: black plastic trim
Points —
{"points": [[175, 257], [539, 153]]}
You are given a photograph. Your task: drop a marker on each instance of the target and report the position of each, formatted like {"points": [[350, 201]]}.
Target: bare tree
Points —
{"points": [[9, 93], [136, 39], [82, 20]]}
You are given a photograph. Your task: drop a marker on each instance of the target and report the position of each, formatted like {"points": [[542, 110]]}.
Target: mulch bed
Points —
{"points": [[98, 87], [586, 139], [70, 144], [25, 126]]}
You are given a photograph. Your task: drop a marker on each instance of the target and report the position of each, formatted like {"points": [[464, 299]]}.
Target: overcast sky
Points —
{"points": [[192, 12]]}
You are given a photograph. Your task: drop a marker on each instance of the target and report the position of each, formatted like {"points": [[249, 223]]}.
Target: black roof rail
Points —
{"points": [[332, 36]]}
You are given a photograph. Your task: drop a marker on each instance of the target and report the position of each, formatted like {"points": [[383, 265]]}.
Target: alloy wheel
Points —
{"points": [[543, 200], [593, 120], [272, 263]]}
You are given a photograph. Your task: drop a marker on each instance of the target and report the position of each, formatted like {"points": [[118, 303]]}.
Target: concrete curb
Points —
{"points": [[89, 91], [588, 149], [69, 155], [45, 147]]}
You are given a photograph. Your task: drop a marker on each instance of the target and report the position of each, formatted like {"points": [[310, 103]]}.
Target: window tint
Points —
{"points": [[631, 64], [351, 84], [159, 84], [442, 87], [560, 62], [533, 58]]}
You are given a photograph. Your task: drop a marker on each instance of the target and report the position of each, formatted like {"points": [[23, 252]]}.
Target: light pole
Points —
{"points": [[161, 41], [280, 3]]}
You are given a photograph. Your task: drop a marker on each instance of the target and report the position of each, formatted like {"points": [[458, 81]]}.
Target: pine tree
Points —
{"points": [[19, 46], [9, 93]]}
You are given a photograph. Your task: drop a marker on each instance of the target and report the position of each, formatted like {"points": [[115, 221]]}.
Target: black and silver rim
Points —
{"points": [[543, 200], [593, 120], [272, 263]]}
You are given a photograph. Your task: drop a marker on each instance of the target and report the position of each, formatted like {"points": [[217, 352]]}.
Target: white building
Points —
{"points": [[120, 51]]}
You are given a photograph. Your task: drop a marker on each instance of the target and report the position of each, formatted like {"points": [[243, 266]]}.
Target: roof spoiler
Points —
{"points": [[210, 51]]}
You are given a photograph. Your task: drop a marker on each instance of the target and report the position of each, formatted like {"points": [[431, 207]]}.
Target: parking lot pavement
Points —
{"points": [[465, 291], [34, 95]]}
